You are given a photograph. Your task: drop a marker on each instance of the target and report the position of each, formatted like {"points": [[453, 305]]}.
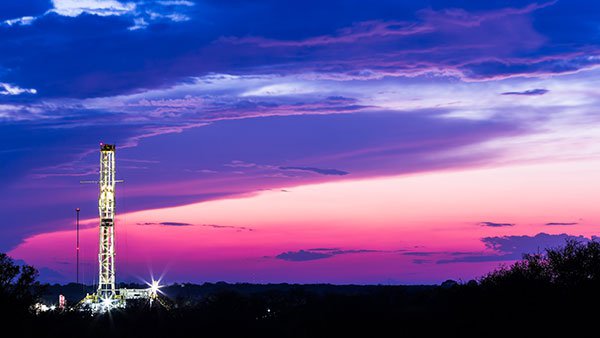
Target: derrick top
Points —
{"points": [[107, 147]]}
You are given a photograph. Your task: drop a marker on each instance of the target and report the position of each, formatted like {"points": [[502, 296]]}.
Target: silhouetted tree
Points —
{"points": [[532, 269], [575, 264], [19, 289]]}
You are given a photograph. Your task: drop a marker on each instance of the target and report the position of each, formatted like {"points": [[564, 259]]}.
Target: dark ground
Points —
{"points": [[188, 291], [544, 295], [282, 310]]}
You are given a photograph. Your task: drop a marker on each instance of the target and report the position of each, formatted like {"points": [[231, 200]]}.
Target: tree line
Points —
{"points": [[541, 294]]}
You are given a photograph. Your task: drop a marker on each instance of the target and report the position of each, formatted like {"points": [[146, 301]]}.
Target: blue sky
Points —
{"points": [[209, 100]]}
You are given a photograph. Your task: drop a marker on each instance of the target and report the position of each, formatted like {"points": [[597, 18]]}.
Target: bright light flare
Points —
{"points": [[107, 303], [155, 287]]}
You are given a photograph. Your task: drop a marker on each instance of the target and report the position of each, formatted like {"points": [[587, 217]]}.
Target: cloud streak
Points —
{"points": [[357, 32], [530, 92], [183, 224], [334, 172], [319, 253], [174, 224], [8, 89], [495, 224]]}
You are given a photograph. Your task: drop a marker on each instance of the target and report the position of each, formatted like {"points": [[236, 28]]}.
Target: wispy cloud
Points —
{"points": [[175, 3], [561, 223], [23, 21], [319, 253], [215, 226], [359, 31], [75, 8], [419, 261], [420, 253], [334, 172], [530, 92], [302, 255], [240, 164], [172, 224], [495, 224], [141, 13], [8, 89]]}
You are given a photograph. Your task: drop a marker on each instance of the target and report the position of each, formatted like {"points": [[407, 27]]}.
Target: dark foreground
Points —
{"points": [[541, 295]]}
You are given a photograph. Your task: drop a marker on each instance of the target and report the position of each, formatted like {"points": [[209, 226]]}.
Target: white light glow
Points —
{"points": [[155, 286], [107, 302]]}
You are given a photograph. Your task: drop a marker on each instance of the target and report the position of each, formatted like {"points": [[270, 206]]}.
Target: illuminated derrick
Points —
{"points": [[108, 296], [106, 208]]}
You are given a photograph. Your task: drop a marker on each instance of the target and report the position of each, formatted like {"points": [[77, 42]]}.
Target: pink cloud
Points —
{"points": [[359, 31]]}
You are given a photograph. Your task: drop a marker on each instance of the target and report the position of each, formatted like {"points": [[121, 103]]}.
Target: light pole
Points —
{"points": [[77, 244]]}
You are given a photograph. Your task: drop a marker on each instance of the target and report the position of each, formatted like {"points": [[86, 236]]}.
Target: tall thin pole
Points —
{"points": [[77, 244]]}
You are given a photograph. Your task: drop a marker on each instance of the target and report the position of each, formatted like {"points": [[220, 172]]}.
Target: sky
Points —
{"points": [[341, 141]]}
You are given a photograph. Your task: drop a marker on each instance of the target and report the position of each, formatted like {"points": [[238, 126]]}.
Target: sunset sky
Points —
{"points": [[339, 141]]}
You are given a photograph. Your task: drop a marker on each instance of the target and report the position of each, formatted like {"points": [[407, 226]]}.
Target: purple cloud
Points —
{"points": [[421, 261], [561, 223], [528, 244], [318, 170], [318, 253], [530, 92], [217, 226], [174, 224], [420, 253], [496, 225], [302, 256], [181, 224], [466, 52], [508, 248], [357, 32]]}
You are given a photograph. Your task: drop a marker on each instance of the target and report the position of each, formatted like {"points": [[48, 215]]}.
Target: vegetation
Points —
{"points": [[540, 295], [574, 265], [19, 289]]}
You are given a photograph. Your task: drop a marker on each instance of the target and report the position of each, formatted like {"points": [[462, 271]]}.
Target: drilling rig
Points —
{"points": [[106, 208], [107, 295]]}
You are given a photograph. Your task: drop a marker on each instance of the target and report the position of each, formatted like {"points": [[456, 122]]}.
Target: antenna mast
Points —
{"points": [[77, 210]]}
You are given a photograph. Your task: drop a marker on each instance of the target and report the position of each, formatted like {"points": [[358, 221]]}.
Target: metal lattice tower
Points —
{"points": [[106, 208], [108, 296]]}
